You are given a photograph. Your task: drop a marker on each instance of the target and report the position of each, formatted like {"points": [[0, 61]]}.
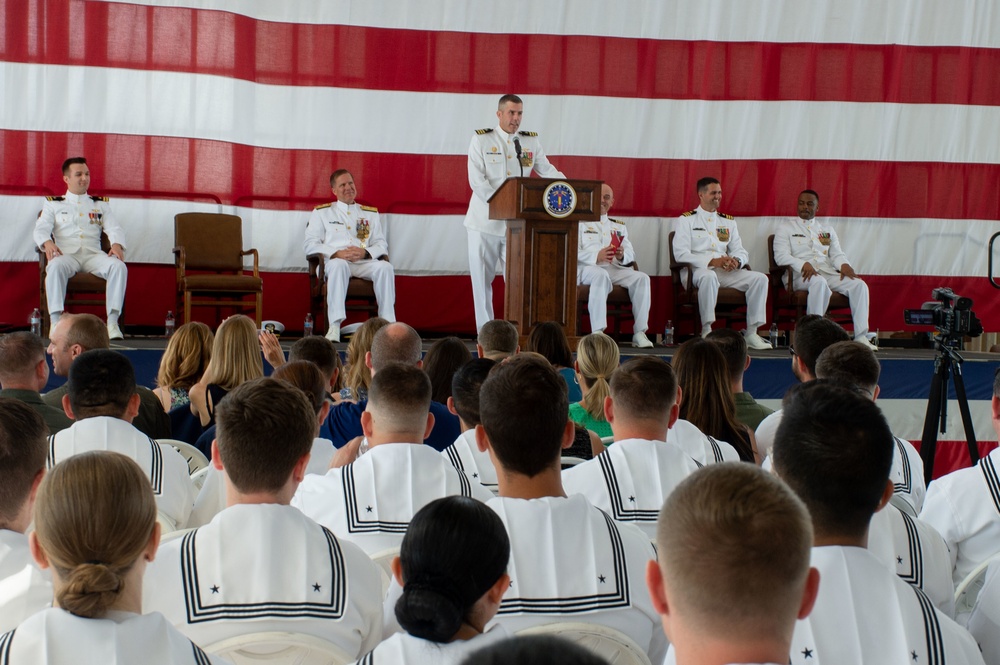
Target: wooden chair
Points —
{"points": [[360, 292], [208, 255], [81, 289], [619, 305], [789, 306], [731, 304]]}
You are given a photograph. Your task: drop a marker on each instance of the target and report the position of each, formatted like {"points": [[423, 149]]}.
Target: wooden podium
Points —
{"points": [[542, 248]]}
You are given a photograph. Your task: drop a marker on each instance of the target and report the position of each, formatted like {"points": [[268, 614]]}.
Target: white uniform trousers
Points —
{"points": [[339, 273], [601, 279], [109, 268], [485, 250], [822, 286], [754, 284]]}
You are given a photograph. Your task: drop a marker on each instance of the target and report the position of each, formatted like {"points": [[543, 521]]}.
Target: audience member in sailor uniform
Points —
{"points": [[964, 506], [96, 528], [605, 259], [834, 449], [452, 567], [103, 401], [24, 587], [497, 339], [69, 231], [701, 447], [733, 574], [734, 350], [371, 500], [984, 622], [569, 560], [709, 241], [350, 236], [261, 565], [632, 478], [494, 156], [465, 453]]}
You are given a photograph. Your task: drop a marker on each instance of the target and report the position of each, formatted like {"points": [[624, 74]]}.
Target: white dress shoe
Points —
{"points": [[863, 341], [640, 341], [333, 334], [114, 332], [755, 341]]}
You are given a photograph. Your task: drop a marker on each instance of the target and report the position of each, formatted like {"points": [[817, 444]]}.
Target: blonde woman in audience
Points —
{"points": [[596, 358], [96, 529], [357, 375], [183, 363], [236, 358]]}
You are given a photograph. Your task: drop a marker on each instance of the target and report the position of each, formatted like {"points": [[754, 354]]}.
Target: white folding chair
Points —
{"points": [[198, 477], [195, 458], [384, 560], [607, 440], [568, 461], [174, 535], [278, 648], [166, 524], [612, 645], [968, 589]]}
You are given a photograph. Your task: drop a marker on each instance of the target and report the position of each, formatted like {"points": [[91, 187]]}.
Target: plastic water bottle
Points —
{"points": [[307, 327], [774, 335], [169, 325], [668, 334], [36, 322]]}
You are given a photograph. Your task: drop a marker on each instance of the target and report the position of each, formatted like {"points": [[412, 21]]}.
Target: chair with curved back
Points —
{"points": [[619, 305], [196, 460], [967, 591], [730, 307], [360, 292], [615, 647], [82, 288], [790, 306], [279, 648]]}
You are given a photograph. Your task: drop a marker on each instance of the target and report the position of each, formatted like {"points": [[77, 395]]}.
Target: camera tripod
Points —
{"points": [[947, 363]]}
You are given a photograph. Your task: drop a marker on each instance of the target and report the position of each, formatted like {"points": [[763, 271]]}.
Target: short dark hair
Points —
{"points": [[441, 362], [23, 448], [644, 387], [849, 362], [813, 333], [263, 428], [71, 161], [498, 336], [549, 339], [703, 183], [509, 98], [834, 449], [524, 410], [101, 382], [465, 386], [400, 395], [734, 349], [395, 343], [319, 351], [305, 376], [455, 549], [88, 331], [336, 174], [19, 354], [810, 191], [533, 650]]}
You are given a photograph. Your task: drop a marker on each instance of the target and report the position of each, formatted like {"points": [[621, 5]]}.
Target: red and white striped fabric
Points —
{"points": [[890, 110]]}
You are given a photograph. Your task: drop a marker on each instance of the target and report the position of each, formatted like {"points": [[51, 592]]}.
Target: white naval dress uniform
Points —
{"points": [[55, 636], [702, 236], [465, 456], [371, 501], [964, 506], [336, 226], [631, 480], [166, 469], [601, 277], [984, 622], [493, 159], [75, 223], [266, 567], [404, 649], [701, 447], [814, 242], [24, 587], [865, 614], [570, 561]]}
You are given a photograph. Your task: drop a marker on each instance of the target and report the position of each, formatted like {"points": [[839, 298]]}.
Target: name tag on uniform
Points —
{"points": [[698, 228], [589, 231], [336, 222], [798, 235], [722, 233]]}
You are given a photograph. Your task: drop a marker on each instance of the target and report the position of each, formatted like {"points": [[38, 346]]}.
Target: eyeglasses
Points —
{"points": [[791, 350]]}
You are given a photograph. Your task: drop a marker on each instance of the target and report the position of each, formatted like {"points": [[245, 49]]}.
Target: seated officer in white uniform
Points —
{"points": [[721, 605], [350, 236], [820, 266], [261, 565], [709, 241], [605, 257], [98, 555], [102, 400], [465, 453], [69, 232], [965, 506], [371, 500], [631, 478], [569, 560], [24, 587], [834, 449]]}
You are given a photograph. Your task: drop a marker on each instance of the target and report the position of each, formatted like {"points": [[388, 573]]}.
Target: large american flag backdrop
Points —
{"points": [[889, 109]]}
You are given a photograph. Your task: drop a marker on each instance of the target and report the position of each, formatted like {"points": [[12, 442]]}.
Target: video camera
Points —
{"points": [[950, 313]]}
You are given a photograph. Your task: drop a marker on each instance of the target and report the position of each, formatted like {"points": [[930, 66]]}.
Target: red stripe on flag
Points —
{"points": [[104, 34]]}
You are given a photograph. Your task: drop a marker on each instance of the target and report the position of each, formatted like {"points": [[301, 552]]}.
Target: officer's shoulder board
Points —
{"points": [[484, 131], [689, 213], [322, 205], [97, 199], [528, 133], [725, 216], [368, 208], [55, 198], [616, 221]]}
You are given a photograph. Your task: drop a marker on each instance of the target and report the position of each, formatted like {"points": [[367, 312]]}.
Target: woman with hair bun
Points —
{"points": [[452, 566], [95, 527]]}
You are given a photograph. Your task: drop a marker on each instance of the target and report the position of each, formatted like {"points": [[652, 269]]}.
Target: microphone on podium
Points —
{"points": [[517, 151]]}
